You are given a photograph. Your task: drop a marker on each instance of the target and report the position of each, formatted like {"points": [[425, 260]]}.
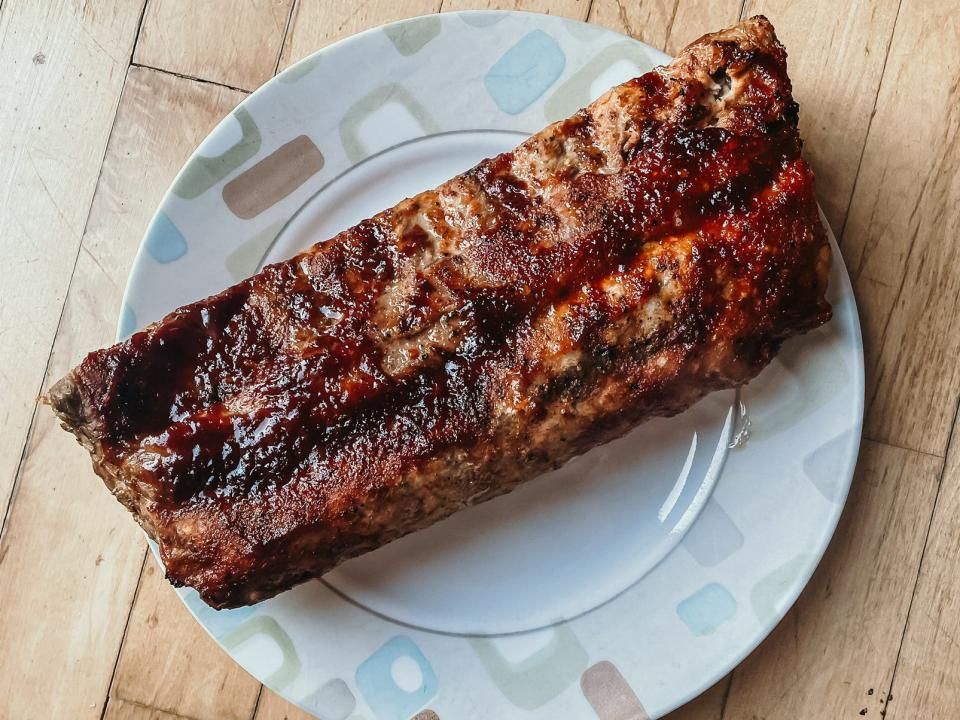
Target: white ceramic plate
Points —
{"points": [[620, 586]]}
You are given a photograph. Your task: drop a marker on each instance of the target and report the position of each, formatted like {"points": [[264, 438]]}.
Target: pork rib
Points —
{"points": [[655, 246]]}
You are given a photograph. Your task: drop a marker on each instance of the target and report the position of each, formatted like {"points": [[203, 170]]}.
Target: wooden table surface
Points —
{"points": [[100, 104]]}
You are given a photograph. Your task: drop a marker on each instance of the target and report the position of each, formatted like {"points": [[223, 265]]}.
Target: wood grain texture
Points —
{"points": [[647, 21], [63, 69], [314, 25], [185, 673], [237, 44], [123, 710], [694, 18], [901, 238], [708, 706], [835, 59], [841, 638], [69, 561], [576, 9], [927, 682], [666, 24]]}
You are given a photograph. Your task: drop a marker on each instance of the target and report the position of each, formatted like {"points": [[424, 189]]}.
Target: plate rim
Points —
{"points": [[799, 581]]}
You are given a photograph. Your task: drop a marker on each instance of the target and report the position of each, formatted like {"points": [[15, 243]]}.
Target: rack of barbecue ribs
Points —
{"points": [[659, 244]]}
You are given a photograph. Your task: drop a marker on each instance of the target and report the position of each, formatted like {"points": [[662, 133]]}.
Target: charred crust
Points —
{"points": [[622, 263]]}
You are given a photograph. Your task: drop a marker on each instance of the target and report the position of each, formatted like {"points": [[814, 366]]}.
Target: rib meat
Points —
{"points": [[655, 246]]}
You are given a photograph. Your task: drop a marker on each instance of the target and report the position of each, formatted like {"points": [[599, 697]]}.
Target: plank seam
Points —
{"points": [[673, 19], [589, 9], [726, 692], [283, 40], [879, 441], [866, 136], [193, 78], [167, 713], [256, 705], [123, 638], [923, 553], [868, 404], [136, 37]]}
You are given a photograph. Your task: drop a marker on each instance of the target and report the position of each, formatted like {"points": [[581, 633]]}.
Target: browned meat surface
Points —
{"points": [[620, 264]]}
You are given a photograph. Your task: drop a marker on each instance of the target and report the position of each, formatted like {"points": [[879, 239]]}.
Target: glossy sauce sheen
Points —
{"points": [[277, 415]]}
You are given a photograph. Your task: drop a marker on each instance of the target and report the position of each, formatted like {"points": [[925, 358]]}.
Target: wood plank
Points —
{"points": [[63, 69], [708, 706], [169, 663], [237, 44], [68, 567], [576, 9], [694, 18], [841, 638], [70, 554], [836, 55], [123, 710], [314, 25], [927, 680], [901, 237], [669, 26]]}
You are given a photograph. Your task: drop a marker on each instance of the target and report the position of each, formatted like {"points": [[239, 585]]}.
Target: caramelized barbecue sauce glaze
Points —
{"points": [[237, 396]]}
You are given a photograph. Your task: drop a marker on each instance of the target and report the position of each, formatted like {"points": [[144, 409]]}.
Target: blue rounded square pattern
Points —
{"points": [[525, 72], [375, 680], [164, 242], [707, 609]]}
